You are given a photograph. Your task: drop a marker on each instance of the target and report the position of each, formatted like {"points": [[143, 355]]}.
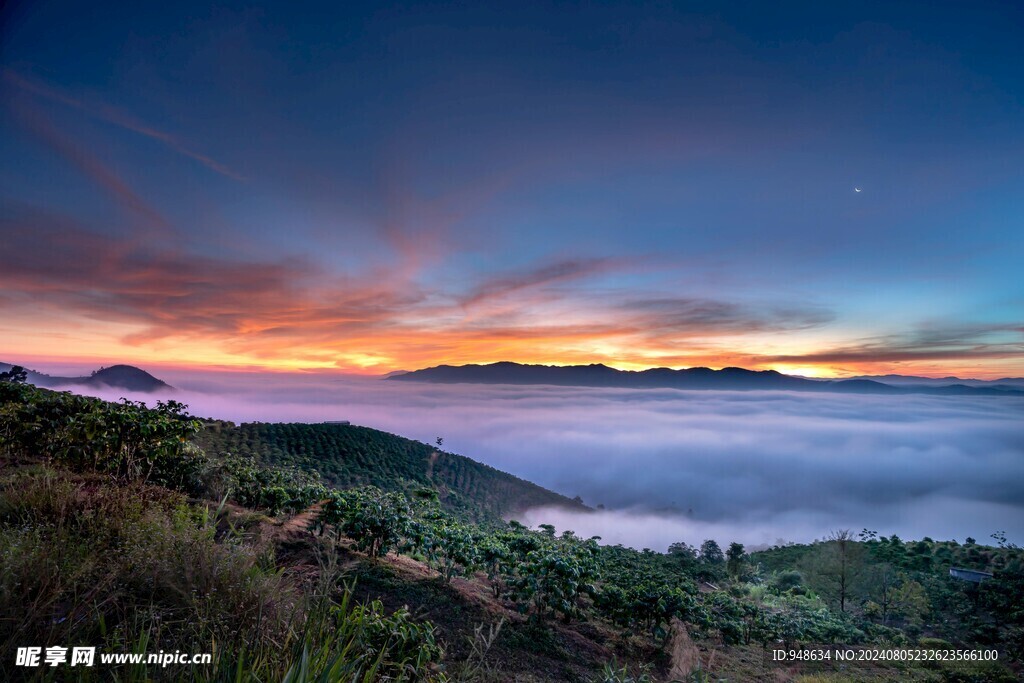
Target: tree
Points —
{"points": [[711, 553], [682, 550], [736, 557], [911, 602], [836, 567], [16, 375], [882, 586], [1000, 537]]}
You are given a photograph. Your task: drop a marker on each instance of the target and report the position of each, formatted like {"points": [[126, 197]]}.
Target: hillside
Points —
{"points": [[348, 455], [727, 379], [127, 377]]}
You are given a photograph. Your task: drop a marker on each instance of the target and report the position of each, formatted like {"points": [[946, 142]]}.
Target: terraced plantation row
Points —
{"points": [[347, 455]]}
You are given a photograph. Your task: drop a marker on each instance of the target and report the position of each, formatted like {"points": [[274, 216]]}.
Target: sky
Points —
{"points": [[367, 188]]}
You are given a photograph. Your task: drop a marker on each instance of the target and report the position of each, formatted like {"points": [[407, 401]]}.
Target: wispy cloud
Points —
{"points": [[701, 316], [117, 117], [935, 341], [543, 276], [90, 166]]}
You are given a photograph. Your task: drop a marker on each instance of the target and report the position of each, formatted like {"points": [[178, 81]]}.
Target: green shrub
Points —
{"points": [[274, 489], [375, 520], [125, 439]]}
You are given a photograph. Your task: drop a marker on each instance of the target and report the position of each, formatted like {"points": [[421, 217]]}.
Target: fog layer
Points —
{"points": [[672, 465]]}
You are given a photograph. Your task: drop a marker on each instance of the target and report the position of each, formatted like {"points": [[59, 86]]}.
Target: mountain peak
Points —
{"points": [[127, 377], [120, 376]]}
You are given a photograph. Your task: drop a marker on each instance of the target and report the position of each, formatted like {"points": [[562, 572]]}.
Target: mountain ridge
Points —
{"points": [[699, 378]]}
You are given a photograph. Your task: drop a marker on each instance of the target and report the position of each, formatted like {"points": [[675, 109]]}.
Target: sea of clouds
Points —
{"points": [[669, 465]]}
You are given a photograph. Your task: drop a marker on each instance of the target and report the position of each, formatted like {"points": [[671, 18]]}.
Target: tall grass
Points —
{"points": [[132, 568]]}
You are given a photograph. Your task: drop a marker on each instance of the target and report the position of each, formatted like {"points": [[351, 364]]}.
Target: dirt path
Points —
{"points": [[299, 524]]}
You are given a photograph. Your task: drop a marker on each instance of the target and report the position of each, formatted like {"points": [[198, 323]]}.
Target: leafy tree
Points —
{"points": [[1001, 539], [1004, 596], [16, 375], [736, 559], [728, 617], [711, 553], [683, 551]]}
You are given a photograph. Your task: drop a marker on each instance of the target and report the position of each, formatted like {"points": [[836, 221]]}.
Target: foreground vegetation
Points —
{"points": [[117, 531]]}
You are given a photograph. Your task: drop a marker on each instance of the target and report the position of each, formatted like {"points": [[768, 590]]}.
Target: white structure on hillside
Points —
{"points": [[971, 575]]}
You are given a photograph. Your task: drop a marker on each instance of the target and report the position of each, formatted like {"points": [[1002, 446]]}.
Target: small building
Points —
{"points": [[971, 575]]}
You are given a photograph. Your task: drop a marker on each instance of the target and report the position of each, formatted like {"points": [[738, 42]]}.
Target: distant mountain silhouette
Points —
{"points": [[910, 380], [736, 379], [126, 377]]}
